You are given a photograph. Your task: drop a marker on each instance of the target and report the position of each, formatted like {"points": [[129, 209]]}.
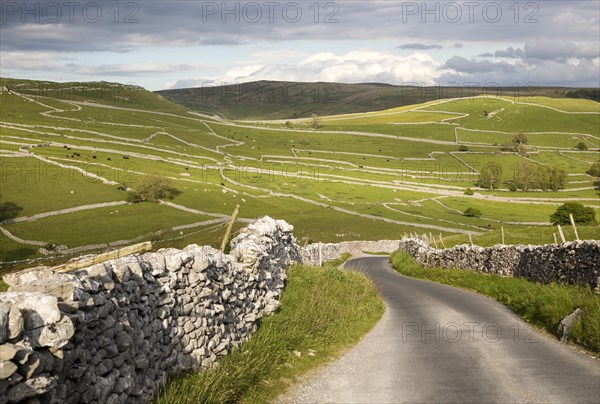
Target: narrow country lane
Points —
{"points": [[440, 344]]}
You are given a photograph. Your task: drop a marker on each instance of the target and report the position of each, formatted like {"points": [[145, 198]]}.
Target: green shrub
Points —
{"points": [[594, 171], [152, 188], [581, 214], [463, 148], [472, 212], [581, 146], [133, 197], [468, 191]]}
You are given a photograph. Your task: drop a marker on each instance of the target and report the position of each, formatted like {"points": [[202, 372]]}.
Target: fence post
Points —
{"points": [[229, 227], [320, 255], [470, 239], [574, 227], [502, 228], [442, 241], [560, 232], [555, 239]]}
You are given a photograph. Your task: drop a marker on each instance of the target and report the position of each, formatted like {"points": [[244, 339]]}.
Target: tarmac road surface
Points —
{"points": [[440, 344]]}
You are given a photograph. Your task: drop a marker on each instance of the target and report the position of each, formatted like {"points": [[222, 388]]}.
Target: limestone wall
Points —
{"points": [[330, 251], [114, 331], [576, 262]]}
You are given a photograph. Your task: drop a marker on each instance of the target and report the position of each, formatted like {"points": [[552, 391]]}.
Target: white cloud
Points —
{"points": [[360, 66]]}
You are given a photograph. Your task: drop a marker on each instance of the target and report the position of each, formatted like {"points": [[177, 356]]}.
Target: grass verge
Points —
{"points": [[541, 305], [322, 309]]}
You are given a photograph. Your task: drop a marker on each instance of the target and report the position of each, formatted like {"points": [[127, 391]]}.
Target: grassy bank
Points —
{"points": [[541, 305], [323, 310]]}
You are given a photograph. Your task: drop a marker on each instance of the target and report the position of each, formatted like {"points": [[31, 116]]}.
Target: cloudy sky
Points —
{"points": [[175, 44]]}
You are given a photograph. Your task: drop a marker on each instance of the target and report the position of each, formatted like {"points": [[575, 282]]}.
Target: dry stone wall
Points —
{"points": [[576, 262], [330, 251], [113, 332]]}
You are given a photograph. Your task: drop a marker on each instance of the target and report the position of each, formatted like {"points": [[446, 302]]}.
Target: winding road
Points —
{"points": [[440, 344]]}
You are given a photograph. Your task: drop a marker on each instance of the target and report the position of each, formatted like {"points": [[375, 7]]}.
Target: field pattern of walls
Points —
{"points": [[71, 151]]}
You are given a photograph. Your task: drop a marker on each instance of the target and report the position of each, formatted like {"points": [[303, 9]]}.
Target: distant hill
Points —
{"points": [[288, 100], [102, 92]]}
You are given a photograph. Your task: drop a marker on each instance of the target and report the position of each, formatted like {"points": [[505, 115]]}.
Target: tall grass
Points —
{"points": [[541, 305], [322, 311]]}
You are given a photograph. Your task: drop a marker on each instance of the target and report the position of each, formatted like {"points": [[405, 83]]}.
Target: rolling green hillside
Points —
{"points": [[70, 153], [289, 100]]}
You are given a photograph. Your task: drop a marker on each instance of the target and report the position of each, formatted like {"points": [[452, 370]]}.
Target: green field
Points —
{"points": [[377, 174]]}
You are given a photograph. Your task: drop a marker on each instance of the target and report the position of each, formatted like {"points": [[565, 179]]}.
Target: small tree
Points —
{"points": [[594, 171], [490, 176], [316, 121], [485, 113], [533, 176], [9, 210], [519, 141], [152, 188], [558, 179], [520, 138], [468, 191], [289, 124], [581, 214], [463, 147], [525, 175], [581, 146], [472, 212]]}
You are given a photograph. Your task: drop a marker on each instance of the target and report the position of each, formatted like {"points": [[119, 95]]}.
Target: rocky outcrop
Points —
{"points": [[114, 331]]}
